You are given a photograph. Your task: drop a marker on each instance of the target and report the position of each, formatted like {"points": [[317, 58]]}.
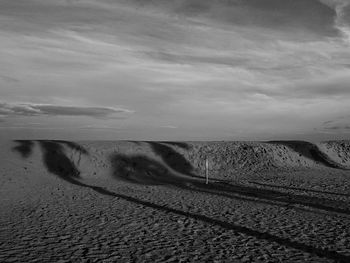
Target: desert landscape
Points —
{"points": [[146, 201], [156, 131]]}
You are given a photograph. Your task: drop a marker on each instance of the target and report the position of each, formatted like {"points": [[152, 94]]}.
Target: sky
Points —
{"points": [[175, 69]]}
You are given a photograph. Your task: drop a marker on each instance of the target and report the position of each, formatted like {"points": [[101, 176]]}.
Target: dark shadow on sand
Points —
{"points": [[57, 162], [72, 145], [172, 158], [25, 148], [144, 170], [54, 157], [310, 151], [175, 160], [321, 252], [298, 189]]}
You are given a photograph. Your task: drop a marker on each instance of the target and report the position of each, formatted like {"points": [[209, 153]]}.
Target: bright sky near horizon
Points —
{"points": [[175, 69]]}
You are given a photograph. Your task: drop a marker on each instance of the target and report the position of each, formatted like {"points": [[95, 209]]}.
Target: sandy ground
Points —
{"points": [[148, 202]]}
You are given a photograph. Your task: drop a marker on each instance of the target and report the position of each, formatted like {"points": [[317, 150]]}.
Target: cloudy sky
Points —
{"points": [[175, 69]]}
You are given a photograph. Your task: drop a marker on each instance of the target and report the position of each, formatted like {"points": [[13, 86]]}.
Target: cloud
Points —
{"points": [[100, 127], [29, 109], [274, 64], [342, 17], [30, 128], [340, 123], [169, 127], [327, 87], [9, 79], [342, 21], [338, 127], [293, 15], [216, 59]]}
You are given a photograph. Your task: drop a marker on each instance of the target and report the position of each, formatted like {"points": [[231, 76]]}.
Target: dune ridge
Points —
{"points": [[226, 159]]}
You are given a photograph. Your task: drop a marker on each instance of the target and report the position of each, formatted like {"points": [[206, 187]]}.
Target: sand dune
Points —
{"points": [[132, 201], [188, 159]]}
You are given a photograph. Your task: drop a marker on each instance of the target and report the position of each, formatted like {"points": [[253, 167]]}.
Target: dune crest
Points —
{"points": [[188, 158]]}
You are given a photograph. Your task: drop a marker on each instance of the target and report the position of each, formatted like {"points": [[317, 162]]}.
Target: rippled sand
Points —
{"points": [[148, 202]]}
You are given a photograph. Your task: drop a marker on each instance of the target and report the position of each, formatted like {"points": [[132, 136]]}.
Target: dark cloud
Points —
{"points": [[338, 127], [327, 122], [311, 16], [346, 14], [41, 16], [26, 109], [337, 124]]}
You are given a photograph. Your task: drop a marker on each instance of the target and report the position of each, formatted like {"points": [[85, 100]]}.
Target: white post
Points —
{"points": [[206, 171]]}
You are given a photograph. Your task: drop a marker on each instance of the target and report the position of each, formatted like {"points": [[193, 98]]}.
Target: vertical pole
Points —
{"points": [[206, 171]]}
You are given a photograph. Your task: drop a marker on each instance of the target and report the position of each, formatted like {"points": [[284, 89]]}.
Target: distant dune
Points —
{"points": [[226, 159]]}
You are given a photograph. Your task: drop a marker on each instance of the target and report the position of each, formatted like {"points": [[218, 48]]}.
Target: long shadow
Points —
{"points": [[299, 189], [310, 151], [143, 170], [291, 199], [333, 255]]}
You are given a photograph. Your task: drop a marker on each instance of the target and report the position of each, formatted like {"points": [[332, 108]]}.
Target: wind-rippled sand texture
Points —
{"points": [[281, 201]]}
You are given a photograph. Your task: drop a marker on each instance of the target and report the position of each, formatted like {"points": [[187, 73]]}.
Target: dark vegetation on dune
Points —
{"points": [[142, 169]]}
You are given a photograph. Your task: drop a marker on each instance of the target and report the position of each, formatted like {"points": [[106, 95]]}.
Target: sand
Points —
{"points": [[148, 202]]}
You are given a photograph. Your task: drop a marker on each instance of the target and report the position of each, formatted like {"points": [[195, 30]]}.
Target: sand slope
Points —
{"points": [[148, 201], [226, 159]]}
